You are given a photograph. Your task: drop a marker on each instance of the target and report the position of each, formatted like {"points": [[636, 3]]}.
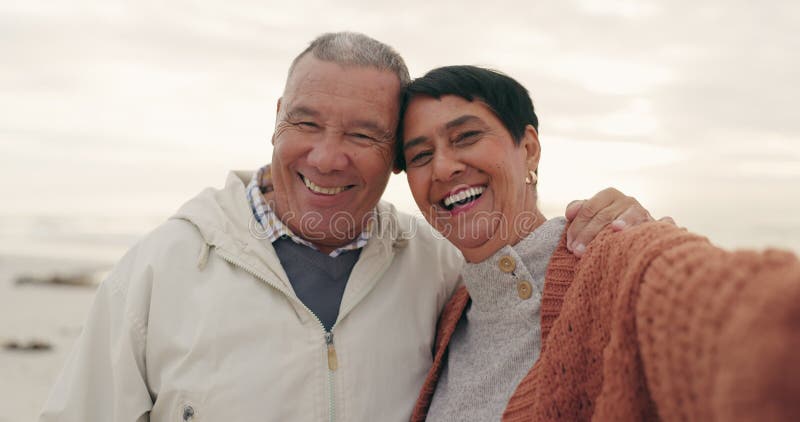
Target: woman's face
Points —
{"points": [[467, 175]]}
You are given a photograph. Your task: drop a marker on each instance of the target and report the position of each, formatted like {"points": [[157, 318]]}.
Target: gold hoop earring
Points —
{"points": [[531, 178]]}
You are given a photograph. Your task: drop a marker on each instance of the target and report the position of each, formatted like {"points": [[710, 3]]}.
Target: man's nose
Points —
{"points": [[446, 166], [328, 154]]}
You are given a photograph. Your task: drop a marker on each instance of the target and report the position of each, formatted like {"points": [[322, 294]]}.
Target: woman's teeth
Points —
{"points": [[463, 197], [324, 191]]}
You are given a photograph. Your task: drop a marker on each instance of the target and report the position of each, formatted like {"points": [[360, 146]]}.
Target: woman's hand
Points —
{"points": [[609, 206]]}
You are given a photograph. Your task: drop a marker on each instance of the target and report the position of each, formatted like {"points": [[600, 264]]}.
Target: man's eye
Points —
{"points": [[362, 136], [420, 159], [309, 125]]}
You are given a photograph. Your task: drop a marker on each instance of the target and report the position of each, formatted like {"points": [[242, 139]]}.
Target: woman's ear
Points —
{"points": [[530, 141]]}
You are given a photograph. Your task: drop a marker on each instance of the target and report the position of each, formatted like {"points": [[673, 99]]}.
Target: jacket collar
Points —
{"points": [[226, 223]]}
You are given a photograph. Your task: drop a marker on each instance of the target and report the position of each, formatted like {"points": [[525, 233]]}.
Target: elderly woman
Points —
{"points": [[652, 323]]}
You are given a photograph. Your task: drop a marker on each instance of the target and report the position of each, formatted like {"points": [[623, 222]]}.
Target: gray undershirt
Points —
{"points": [[499, 339], [318, 279]]}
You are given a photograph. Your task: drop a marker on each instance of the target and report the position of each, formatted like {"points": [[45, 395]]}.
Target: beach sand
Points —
{"points": [[43, 312]]}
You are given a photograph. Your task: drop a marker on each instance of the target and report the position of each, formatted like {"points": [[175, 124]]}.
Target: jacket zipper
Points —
{"points": [[333, 362]]}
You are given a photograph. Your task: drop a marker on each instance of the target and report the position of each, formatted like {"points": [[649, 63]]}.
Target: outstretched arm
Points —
{"points": [[718, 334], [609, 206]]}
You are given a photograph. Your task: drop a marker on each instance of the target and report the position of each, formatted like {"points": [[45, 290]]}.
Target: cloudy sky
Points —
{"points": [[115, 111]]}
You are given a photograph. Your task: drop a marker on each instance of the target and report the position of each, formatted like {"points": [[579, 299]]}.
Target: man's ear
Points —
{"points": [[533, 150], [277, 113]]}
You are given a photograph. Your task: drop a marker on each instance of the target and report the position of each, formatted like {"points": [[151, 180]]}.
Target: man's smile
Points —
{"points": [[332, 190]]}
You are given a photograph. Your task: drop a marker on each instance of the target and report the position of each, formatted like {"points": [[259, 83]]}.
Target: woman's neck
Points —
{"points": [[523, 225]]}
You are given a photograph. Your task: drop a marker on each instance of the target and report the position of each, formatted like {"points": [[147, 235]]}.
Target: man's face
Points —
{"points": [[334, 139]]}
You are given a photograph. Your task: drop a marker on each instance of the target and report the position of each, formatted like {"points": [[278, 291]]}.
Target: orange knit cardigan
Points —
{"points": [[656, 323]]}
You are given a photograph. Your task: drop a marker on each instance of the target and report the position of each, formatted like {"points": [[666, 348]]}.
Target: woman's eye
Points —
{"points": [[420, 159], [470, 135]]}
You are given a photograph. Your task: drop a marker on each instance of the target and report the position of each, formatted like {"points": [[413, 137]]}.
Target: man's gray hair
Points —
{"points": [[355, 49]]}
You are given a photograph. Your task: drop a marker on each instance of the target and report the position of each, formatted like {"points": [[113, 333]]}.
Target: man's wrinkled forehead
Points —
{"points": [[337, 85], [349, 91]]}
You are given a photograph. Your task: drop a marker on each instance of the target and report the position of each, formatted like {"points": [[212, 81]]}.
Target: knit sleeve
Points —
{"points": [[659, 324], [719, 333], [590, 366]]}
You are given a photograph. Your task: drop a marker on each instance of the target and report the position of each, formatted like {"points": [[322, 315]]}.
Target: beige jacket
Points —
{"points": [[199, 322]]}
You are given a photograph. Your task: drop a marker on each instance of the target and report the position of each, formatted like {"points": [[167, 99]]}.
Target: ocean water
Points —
{"points": [[82, 238], [104, 239]]}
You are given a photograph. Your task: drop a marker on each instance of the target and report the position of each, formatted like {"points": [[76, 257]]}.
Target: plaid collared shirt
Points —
{"points": [[274, 228]]}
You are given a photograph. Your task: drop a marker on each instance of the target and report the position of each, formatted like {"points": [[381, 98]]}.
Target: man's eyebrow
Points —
{"points": [[301, 111], [372, 126], [368, 125]]}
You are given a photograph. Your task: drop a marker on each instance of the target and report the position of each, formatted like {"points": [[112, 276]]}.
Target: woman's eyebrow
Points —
{"points": [[414, 142], [459, 121], [467, 118]]}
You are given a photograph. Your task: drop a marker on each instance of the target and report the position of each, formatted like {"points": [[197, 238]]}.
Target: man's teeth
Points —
{"points": [[319, 189], [465, 196]]}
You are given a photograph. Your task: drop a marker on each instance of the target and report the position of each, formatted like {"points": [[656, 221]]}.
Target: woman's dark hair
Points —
{"points": [[503, 95]]}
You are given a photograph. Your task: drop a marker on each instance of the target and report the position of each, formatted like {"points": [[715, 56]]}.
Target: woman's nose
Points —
{"points": [[446, 166]]}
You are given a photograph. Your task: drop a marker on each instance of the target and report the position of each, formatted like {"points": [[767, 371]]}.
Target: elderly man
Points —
{"points": [[317, 304]]}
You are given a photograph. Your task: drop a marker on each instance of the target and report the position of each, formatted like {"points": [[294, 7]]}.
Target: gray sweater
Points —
{"points": [[499, 339], [318, 280]]}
